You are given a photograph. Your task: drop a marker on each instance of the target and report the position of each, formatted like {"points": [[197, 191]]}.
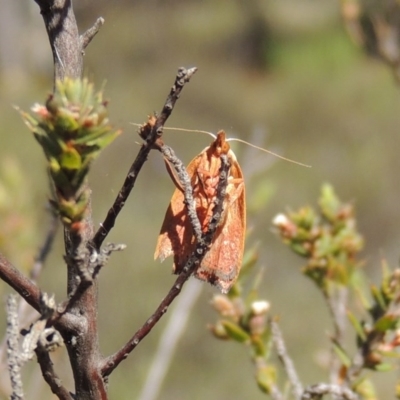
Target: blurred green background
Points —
{"points": [[284, 75]]}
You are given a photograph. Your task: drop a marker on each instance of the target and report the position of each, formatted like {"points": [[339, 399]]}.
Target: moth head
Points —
{"points": [[220, 145]]}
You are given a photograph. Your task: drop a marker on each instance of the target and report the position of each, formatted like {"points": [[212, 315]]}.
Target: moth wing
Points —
{"points": [[176, 234], [222, 263]]}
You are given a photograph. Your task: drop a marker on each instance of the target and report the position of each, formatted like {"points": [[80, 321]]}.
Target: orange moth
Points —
{"points": [[221, 264]]}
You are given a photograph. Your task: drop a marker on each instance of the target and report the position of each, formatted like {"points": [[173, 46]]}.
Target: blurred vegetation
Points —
{"points": [[72, 128], [328, 239], [311, 94], [19, 218], [330, 242]]}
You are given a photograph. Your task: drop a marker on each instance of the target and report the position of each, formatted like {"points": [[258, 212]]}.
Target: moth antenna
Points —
{"points": [[181, 130], [268, 151], [236, 140], [192, 131]]}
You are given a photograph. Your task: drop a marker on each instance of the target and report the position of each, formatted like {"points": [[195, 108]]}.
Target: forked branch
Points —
{"points": [[155, 131], [193, 262]]}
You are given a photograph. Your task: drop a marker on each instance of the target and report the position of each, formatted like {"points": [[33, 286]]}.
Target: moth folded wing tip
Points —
{"points": [[160, 257], [162, 253], [163, 248], [224, 287], [156, 255], [212, 276]]}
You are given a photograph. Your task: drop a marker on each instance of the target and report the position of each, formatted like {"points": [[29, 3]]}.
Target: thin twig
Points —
{"points": [[45, 249], [20, 283], [184, 179], [287, 362], [50, 376], [193, 262], [87, 37], [40, 340], [183, 76], [96, 262], [316, 392], [170, 339], [13, 354], [38, 333], [25, 313]]}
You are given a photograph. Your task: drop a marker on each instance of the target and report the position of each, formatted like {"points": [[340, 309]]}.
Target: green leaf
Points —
{"points": [[50, 145], [324, 245], [266, 378], [59, 177], [359, 285], [72, 210], [386, 323], [329, 202], [70, 159], [384, 367], [219, 331], [66, 123], [235, 332], [80, 176], [259, 346], [378, 297], [300, 249], [30, 121], [342, 355], [365, 388], [106, 139], [357, 326]]}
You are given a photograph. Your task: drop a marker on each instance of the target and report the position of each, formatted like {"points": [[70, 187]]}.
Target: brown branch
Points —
{"points": [[87, 37], [183, 76], [96, 262], [59, 19], [79, 329], [77, 259], [194, 261], [67, 48], [114, 360], [78, 326], [20, 283], [50, 376]]}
